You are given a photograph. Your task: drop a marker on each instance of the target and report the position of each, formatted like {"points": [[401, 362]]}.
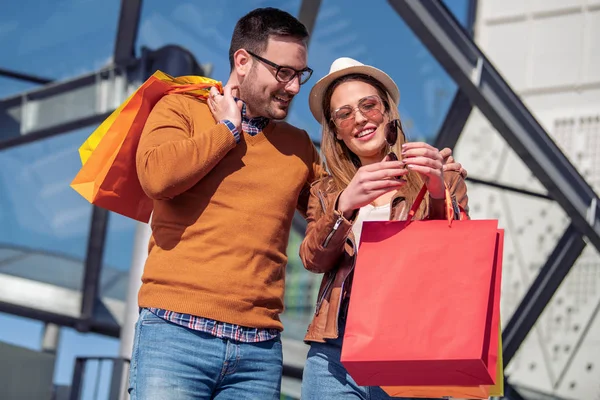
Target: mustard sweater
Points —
{"points": [[222, 212]]}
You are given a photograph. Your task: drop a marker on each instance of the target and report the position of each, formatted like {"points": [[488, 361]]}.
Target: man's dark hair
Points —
{"points": [[252, 31]]}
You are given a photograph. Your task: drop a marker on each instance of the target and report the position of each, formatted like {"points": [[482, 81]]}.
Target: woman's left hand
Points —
{"points": [[426, 160]]}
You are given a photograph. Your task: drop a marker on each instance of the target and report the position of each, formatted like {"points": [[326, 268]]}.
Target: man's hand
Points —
{"points": [[224, 106], [450, 163]]}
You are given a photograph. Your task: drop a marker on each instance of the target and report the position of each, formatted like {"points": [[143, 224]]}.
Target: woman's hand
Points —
{"points": [[426, 160], [370, 182]]}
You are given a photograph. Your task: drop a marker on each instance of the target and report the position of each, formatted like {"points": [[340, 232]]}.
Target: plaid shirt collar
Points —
{"points": [[253, 125]]}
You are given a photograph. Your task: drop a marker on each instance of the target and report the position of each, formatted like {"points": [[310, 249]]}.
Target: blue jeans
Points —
{"points": [[325, 377], [170, 361]]}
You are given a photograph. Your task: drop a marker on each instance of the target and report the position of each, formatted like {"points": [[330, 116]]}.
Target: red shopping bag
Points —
{"points": [[454, 392], [425, 303], [458, 392], [108, 177]]}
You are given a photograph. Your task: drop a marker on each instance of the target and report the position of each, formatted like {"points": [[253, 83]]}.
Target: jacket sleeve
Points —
{"points": [[171, 156], [458, 191], [326, 233]]}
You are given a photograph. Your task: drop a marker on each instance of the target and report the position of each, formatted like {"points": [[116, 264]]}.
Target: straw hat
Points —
{"points": [[346, 66]]}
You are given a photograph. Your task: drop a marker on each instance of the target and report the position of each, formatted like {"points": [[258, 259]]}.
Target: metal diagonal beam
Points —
{"points": [[24, 77], [467, 65], [471, 17], [129, 18], [455, 121], [460, 108], [508, 188], [552, 274], [510, 393], [309, 9]]}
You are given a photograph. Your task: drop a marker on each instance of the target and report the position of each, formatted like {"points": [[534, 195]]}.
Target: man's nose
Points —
{"points": [[293, 86]]}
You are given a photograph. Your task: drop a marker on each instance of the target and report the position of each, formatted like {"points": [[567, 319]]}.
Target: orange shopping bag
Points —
{"points": [[425, 303], [108, 177]]}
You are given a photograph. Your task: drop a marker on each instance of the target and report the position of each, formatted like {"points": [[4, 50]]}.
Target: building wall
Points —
{"points": [[549, 52], [25, 373]]}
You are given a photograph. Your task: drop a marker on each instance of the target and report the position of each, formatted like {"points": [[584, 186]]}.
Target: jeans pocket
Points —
{"points": [[147, 317]]}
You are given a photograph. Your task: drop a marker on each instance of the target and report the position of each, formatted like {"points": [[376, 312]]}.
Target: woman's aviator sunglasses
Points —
{"points": [[369, 107]]}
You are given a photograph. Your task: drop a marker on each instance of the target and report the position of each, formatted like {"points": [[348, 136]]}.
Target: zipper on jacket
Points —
{"points": [[337, 224], [324, 293], [337, 317], [322, 200]]}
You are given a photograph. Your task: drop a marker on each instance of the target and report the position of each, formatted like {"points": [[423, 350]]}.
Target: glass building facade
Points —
{"points": [[45, 225]]}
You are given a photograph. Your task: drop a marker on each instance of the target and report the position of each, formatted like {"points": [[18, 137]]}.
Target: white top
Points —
{"points": [[369, 213]]}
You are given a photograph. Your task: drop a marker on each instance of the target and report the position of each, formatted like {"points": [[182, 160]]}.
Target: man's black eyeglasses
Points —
{"points": [[286, 74]]}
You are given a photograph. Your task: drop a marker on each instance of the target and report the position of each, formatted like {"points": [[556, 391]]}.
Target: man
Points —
{"points": [[224, 197]]}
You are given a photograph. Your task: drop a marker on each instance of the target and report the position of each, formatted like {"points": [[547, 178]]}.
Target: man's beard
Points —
{"points": [[259, 105]]}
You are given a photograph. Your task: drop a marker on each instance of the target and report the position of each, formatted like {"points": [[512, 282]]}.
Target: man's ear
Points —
{"points": [[242, 62]]}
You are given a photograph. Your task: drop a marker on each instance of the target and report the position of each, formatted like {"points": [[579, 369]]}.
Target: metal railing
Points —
{"points": [[99, 378], [105, 378]]}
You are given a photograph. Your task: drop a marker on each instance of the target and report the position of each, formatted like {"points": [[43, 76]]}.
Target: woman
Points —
{"points": [[362, 140]]}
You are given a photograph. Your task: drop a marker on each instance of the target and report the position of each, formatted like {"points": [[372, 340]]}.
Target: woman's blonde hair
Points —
{"points": [[342, 163]]}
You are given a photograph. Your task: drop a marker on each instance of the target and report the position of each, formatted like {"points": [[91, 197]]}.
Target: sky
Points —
{"points": [[66, 38]]}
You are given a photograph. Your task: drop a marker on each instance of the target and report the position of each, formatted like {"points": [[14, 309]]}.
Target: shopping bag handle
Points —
{"points": [[195, 86], [448, 202]]}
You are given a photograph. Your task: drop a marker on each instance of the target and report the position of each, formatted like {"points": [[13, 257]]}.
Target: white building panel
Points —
{"points": [[549, 52]]}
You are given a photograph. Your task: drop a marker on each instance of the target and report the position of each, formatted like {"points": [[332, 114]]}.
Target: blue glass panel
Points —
{"points": [[57, 39]]}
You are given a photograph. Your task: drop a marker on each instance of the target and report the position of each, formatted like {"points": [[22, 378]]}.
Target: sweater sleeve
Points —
{"points": [[316, 172], [172, 156]]}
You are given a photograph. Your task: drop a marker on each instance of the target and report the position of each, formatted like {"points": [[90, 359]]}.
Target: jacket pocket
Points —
{"points": [[324, 292]]}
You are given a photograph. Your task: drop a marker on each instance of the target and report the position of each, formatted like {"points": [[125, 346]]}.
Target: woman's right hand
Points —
{"points": [[370, 182]]}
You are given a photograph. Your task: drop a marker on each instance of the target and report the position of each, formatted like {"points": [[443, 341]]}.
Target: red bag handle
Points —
{"points": [[417, 203]]}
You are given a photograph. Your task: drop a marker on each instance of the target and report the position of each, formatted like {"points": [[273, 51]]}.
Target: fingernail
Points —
{"points": [[404, 145]]}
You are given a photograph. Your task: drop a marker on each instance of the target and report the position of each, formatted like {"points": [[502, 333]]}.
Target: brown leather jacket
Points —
{"points": [[329, 246]]}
